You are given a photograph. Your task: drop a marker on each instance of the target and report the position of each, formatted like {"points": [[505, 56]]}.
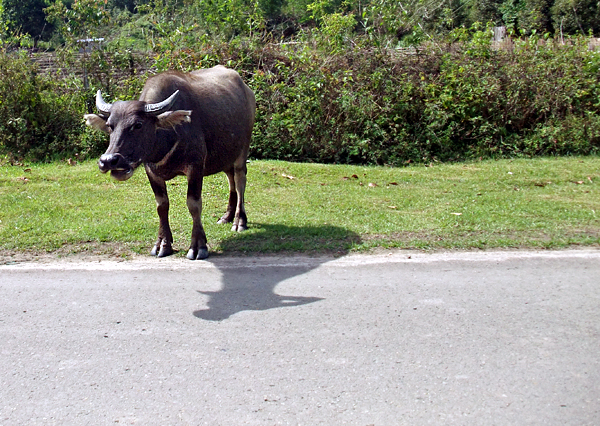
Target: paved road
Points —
{"points": [[399, 339]]}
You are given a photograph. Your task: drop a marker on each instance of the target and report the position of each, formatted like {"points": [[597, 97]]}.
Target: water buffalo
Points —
{"points": [[194, 124]]}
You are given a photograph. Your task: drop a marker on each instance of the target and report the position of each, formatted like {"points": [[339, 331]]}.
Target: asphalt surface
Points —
{"points": [[502, 338]]}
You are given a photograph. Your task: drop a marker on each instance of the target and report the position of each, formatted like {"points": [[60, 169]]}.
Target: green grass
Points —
{"points": [[522, 203]]}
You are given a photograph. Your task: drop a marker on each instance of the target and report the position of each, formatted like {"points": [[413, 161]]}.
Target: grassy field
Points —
{"points": [[522, 203]]}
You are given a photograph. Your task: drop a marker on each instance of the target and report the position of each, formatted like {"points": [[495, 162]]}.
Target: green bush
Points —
{"points": [[465, 101], [37, 120], [356, 107], [451, 100], [487, 102]]}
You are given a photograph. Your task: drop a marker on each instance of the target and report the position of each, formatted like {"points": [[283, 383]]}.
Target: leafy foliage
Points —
{"points": [[471, 101], [37, 119], [373, 82], [576, 16], [25, 16], [80, 20], [385, 21]]}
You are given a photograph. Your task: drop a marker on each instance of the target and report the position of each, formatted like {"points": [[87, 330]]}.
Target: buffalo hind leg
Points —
{"points": [[240, 221], [198, 249], [236, 212], [164, 243], [232, 203]]}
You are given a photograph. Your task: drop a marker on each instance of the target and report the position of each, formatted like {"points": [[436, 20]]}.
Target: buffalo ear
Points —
{"points": [[170, 119], [96, 122]]}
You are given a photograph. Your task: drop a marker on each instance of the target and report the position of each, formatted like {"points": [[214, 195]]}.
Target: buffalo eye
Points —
{"points": [[137, 126], [110, 127]]}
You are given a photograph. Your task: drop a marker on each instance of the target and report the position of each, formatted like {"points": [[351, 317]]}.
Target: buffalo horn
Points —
{"points": [[101, 104], [158, 108]]}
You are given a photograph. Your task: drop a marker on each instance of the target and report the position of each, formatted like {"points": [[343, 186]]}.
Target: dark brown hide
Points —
{"points": [[206, 130]]}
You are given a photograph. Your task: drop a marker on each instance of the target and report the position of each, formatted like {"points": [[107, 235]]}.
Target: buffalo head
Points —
{"points": [[132, 126]]}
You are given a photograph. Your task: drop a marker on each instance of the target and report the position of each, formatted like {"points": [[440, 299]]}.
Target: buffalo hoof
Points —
{"points": [[162, 250], [239, 228], [165, 251], [224, 219], [200, 254]]}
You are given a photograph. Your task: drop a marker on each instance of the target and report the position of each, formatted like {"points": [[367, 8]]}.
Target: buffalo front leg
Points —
{"points": [[164, 242], [198, 249]]}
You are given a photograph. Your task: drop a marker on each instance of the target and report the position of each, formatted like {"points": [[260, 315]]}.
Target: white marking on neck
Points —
{"points": [[166, 157]]}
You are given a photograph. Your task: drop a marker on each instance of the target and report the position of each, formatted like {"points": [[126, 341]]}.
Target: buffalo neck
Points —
{"points": [[164, 145]]}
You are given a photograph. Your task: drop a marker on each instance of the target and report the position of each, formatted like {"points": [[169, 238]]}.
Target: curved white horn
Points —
{"points": [[158, 108], [101, 104]]}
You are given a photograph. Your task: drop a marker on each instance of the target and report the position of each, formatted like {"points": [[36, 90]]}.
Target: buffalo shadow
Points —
{"points": [[248, 282]]}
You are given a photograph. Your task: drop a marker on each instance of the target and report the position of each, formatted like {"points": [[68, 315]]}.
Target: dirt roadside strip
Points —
{"points": [[87, 262]]}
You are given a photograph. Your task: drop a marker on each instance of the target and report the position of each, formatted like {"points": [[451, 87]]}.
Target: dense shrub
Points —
{"points": [[462, 101], [37, 119], [357, 107], [449, 100], [487, 102]]}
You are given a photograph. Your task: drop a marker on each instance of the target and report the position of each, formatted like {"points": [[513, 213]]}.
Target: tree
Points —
{"points": [[484, 11], [576, 16], [535, 16], [27, 17], [79, 20]]}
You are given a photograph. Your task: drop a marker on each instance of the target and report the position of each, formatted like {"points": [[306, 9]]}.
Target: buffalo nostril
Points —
{"points": [[109, 161]]}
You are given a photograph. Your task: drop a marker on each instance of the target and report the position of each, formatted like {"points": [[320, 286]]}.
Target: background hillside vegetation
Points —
{"points": [[337, 81]]}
